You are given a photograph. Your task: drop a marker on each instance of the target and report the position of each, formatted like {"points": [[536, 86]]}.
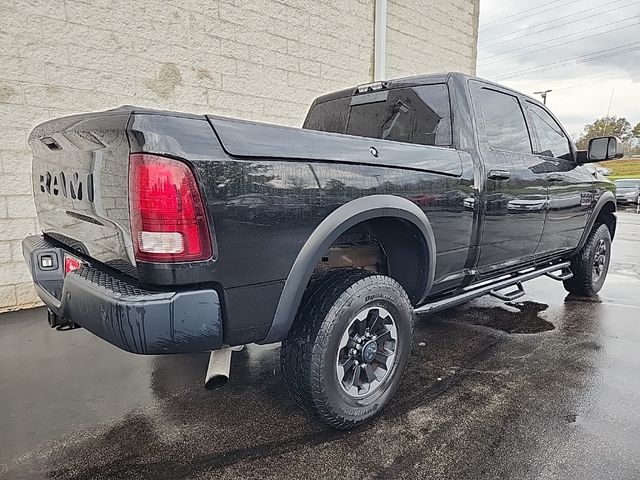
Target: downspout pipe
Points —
{"points": [[379, 40]]}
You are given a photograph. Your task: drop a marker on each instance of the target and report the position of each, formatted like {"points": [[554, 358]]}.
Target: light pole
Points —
{"points": [[543, 95]]}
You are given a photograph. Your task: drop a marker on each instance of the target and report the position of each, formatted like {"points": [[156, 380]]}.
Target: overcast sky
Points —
{"points": [[545, 44]]}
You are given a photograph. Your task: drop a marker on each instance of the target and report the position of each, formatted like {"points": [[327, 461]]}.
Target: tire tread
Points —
{"points": [[581, 283], [310, 333]]}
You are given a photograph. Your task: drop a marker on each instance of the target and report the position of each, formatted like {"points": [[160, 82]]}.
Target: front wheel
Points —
{"points": [[591, 264], [349, 346]]}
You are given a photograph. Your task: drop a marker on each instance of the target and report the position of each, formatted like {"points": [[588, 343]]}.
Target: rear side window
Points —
{"points": [[504, 122], [552, 140], [414, 115]]}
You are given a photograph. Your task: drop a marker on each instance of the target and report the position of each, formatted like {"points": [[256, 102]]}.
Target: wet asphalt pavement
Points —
{"points": [[548, 387]]}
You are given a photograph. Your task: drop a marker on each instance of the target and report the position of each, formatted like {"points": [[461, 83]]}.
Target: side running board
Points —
{"points": [[510, 295], [558, 271], [564, 274]]}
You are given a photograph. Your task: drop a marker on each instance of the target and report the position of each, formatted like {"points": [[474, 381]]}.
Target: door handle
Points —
{"points": [[555, 177], [499, 175]]}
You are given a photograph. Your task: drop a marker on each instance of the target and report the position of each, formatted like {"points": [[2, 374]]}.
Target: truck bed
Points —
{"points": [[80, 172]]}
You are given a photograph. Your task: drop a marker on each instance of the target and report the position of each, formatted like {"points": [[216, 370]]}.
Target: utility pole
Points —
{"points": [[543, 95]]}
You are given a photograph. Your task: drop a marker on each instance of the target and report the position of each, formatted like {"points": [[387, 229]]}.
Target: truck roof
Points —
{"points": [[414, 81], [394, 83]]}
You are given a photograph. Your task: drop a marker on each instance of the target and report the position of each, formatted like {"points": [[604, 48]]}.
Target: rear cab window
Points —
{"points": [[420, 115], [329, 116]]}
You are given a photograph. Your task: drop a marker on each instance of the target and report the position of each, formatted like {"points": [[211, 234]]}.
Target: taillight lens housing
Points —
{"points": [[71, 264], [168, 219]]}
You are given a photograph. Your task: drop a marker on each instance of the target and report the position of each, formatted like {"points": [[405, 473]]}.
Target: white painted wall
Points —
{"points": [[256, 59]]}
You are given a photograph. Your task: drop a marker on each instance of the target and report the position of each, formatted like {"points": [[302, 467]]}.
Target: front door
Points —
{"points": [[515, 192], [572, 188]]}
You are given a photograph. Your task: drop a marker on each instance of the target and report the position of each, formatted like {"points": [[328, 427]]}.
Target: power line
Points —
{"points": [[493, 62], [501, 19], [600, 80], [539, 24], [595, 80], [575, 60], [573, 20], [499, 54], [507, 18], [568, 64], [552, 27], [586, 55]]}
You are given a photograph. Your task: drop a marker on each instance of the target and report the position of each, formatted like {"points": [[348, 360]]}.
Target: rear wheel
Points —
{"points": [[349, 346], [591, 264]]}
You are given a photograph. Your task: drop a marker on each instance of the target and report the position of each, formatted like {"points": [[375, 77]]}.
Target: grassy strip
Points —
{"points": [[624, 167], [617, 177]]}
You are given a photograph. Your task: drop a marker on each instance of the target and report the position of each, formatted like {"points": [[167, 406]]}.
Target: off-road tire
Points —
{"points": [[308, 355], [585, 282]]}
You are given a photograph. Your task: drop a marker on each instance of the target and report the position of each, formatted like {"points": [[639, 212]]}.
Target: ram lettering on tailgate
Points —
{"points": [[72, 185]]}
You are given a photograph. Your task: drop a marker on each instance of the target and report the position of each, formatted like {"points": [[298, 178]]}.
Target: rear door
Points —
{"points": [[514, 197], [572, 187]]}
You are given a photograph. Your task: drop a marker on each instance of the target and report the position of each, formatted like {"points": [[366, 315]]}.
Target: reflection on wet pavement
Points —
{"points": [[543, 388], [520, 317]]}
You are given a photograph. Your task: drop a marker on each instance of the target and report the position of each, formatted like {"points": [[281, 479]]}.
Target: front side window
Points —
{"points": [[504, 122], [553, 142]]}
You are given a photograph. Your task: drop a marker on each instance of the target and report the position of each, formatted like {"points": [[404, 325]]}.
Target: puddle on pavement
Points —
{"points": [[512, 317]]}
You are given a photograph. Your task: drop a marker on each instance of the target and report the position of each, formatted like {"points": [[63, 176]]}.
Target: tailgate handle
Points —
{"points": [[51, 143]]}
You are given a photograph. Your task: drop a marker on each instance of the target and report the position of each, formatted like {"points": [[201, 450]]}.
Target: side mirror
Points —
{"points": [[604, 148]]}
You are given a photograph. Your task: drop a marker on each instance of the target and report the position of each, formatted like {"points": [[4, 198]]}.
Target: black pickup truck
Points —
{"points": [[167, 232]]}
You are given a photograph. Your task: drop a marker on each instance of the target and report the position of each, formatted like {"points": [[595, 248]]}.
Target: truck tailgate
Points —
{"points": [[80, 167]]}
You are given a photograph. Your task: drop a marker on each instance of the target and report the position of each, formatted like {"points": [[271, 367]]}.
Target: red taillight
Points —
{"points": [[71, 264], [168, 221]]}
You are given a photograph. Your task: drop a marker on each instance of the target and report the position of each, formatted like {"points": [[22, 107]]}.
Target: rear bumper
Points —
{"points": [[122, 313]]}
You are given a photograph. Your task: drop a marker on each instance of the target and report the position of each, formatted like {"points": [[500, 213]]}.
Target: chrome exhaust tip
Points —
{"points": [[218, 370]]}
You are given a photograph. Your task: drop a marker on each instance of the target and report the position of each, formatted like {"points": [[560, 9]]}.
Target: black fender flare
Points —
{"points": [[334, 225], [606, 197]]}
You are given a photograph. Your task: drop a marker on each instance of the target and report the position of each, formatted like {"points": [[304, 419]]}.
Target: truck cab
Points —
{"points": [[533, 198]]}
